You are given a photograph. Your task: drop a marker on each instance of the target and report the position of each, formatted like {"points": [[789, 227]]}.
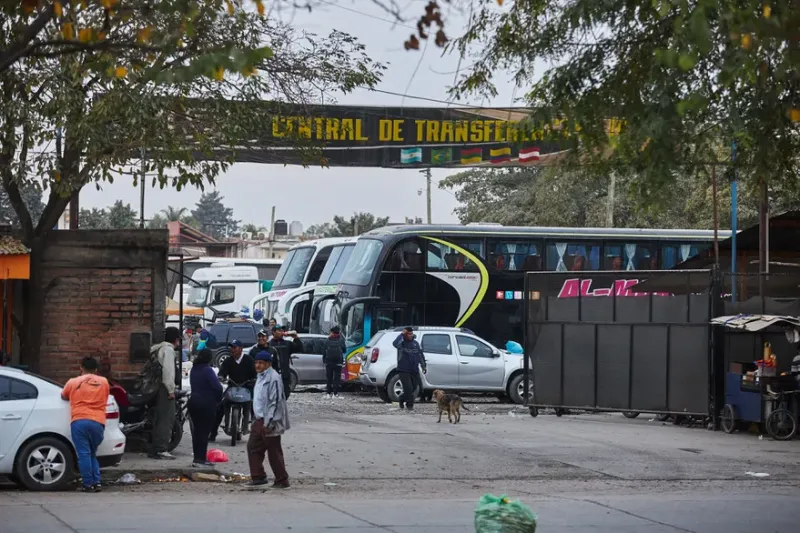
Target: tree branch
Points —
{"points": [[18, 49]]}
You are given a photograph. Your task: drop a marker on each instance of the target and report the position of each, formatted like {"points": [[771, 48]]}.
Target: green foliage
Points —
{"points": [[570, 198], [161, 82], [356, 224], [213, 218], [118, 216], [685, 79], [31, 196]]}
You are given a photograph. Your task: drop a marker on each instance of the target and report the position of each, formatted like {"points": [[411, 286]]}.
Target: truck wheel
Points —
{"points": [[383, 395], [394, 388]]}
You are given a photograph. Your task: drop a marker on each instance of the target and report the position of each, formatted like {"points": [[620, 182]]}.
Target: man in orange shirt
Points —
{"points": [[87, 396]]}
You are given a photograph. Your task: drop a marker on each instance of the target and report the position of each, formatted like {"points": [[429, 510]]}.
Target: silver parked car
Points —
{"points": [[457, 360], [307, 367]]}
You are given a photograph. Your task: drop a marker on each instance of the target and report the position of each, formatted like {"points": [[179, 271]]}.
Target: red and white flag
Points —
{"points": [[528, 154]]}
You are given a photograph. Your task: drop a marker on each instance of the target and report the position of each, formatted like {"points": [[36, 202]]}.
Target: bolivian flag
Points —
{"points": [[500, 155], [471, 156]]}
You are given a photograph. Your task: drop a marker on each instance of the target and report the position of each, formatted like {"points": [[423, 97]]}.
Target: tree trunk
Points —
{"points": [[33, 310]]}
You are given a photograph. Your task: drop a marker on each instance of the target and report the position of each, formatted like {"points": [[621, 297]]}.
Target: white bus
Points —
{"points": [[289, 301]]}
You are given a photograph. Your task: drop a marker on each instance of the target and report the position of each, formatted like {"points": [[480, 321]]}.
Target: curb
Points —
{"points": [[149, 475]]}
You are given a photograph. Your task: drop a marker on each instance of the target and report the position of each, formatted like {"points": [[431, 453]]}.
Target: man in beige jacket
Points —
{"points": [[164, 407]]}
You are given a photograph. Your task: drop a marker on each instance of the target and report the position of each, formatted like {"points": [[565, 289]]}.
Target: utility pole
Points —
{"points": [[141, 192], [272, 232], [734, 220], [427, 173], [610, 211]]}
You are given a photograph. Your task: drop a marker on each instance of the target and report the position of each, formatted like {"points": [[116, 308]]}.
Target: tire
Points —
{"points": [[219, 357], [781, 424], [293, 381], [629, 414], [177, 434], [383, 395], [235, 413], [559, 412], [728, 419], [394, 385], [534, 411], [515, 389], [45, 464]]}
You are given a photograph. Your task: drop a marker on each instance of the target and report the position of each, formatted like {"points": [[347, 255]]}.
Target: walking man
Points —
{"points": [[409, 360], [333, 356], [271, 421], [87, 396], [165, 398]]}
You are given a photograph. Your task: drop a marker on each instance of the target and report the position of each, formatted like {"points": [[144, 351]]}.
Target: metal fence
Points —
{"points": [[620, 341]]}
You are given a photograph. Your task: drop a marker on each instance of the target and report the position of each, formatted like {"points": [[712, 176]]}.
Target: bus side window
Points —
{"points": [[406, 257], [515, 255], [442, 257]]}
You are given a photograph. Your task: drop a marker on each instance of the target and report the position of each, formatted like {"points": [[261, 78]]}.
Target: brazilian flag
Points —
{"points": [[441, 156]]}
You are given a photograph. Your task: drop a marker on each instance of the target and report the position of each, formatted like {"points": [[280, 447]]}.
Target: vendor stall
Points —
{"points": [[759, 392]]}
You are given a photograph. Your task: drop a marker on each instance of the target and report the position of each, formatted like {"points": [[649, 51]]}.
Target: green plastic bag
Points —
{"points": [[501, 515]]}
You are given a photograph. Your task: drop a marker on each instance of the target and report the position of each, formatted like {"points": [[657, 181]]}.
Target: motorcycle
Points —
{"points": [[238, 404], [136, 414]]}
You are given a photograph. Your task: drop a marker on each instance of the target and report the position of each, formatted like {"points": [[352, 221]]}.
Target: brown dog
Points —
{"points": [[451, 403]]}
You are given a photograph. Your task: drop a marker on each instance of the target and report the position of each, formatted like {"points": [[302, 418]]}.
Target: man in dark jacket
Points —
{"points": [[284, 348], [333, 357], [263, 341], [239, 368], [409, 360]]}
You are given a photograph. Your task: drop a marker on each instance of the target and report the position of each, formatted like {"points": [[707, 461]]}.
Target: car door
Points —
{"points": [[308, 365], [17, 399], [480, 366], [441, 360]]}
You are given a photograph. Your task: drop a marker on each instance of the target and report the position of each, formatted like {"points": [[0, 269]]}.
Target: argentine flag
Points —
{"points": [[410, 155]]}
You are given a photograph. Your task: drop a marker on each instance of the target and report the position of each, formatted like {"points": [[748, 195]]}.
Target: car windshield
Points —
{"points": [[197, 295], [362, 262], [293, 269], [335, 265]]}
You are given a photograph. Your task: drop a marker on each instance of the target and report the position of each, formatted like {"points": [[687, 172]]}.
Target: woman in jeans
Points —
{"points": [[203, 403]]}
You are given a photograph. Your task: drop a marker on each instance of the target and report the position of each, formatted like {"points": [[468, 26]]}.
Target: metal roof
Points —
{"points": [[11, 246]]}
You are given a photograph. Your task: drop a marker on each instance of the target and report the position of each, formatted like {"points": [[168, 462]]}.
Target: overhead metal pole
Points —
{"points": [[734, 217], [141, 193]]}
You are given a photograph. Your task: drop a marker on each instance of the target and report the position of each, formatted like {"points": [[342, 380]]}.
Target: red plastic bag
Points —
{"points": [[216, 456]]}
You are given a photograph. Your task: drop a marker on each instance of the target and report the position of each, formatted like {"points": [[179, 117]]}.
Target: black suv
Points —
{"points": [[225, 332]]}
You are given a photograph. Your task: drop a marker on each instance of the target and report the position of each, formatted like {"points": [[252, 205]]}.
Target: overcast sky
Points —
{"points": [[315, 195]]}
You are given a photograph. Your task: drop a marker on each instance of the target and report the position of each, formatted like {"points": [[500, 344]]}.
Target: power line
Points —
{"points": [[374, 17]]}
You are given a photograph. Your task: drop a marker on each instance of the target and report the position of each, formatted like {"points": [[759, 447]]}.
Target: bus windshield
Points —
{"points": [[362, 262], [294, 267], [335, 265], [197, 295]]}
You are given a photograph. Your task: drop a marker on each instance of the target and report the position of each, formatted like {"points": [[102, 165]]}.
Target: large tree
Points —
{"points": [[213, 218], [683, 80], [552, 196], [128, 81], [32, 198], [341, 226]]}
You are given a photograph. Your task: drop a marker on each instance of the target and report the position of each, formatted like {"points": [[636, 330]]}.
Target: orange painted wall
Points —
{"points": [[15, 266]]}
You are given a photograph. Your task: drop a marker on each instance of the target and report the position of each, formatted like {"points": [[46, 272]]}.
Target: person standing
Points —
{"points": [[284, 349], [164, 407], [87, 396], [240, 369], [333, 357], [271, 421], [261, 343], [203, 404], [409, 360]]}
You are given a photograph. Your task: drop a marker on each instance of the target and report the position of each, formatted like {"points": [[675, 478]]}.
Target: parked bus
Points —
{"points": [[472, 276], [267, 269], [290, 299], [324, 292]]}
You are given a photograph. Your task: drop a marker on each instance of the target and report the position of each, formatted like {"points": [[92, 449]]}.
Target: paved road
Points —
{"points": [[187, 508], [405, 473]]}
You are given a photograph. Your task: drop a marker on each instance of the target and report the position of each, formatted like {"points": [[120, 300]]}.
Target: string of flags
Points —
{"points": [[468, 156]]}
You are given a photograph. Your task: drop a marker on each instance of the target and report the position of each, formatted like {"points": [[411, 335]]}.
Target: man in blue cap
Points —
{"points": [[271, 421], [240, 369]]}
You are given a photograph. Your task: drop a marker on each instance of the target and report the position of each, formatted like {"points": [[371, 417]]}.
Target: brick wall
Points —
{"points": [[103, 286]]}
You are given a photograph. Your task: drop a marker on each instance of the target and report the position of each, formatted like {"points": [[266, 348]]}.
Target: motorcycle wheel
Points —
{"points": [[177, 434], [235, 414]]}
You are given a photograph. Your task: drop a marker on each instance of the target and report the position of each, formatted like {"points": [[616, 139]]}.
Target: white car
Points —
{"points": [[457, 360], [36, 447]]}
